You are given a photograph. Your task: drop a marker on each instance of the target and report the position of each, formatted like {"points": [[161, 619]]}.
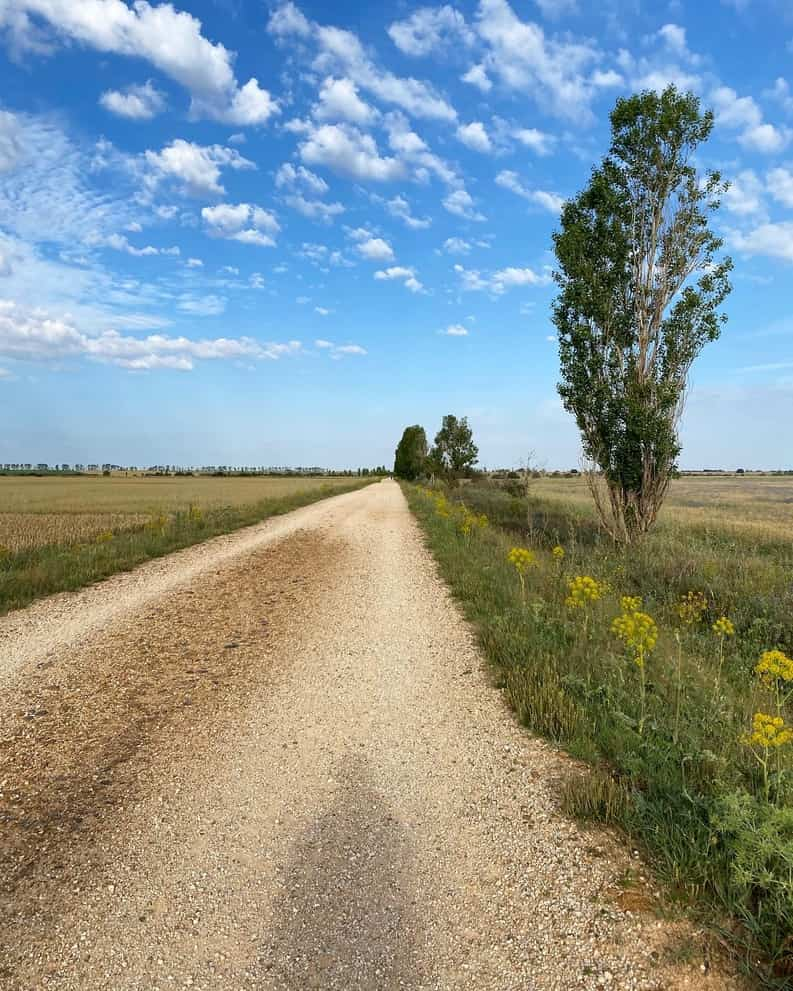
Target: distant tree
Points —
{"points": [[640, 287], [454, 452], [410, 454]]}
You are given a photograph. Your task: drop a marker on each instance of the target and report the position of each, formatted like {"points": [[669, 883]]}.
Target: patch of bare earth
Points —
{"points": [[295, 773]]}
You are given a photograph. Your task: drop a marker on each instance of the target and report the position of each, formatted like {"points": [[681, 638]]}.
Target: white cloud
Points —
{"points": [[551, 202], [782, 94], [475, 136], [202, 306], [771, 240], [35, 335], [338, 350], [400, 208], [477, 76], [256, 280], [10, 142], [456, 246], [118, 242], [194, 263], [780, 185], [339, 100], [314, 209], [348, 151], [412, 148], [430, 29], [135, 102], [195, 167], [538, 141], [341, 52], [375, 249], [322, 311], [745, 194], [765, 138], [519, 52], [741, 113], [506, 278], [242, 222], [557, 8], [300, 178], [460, 203], [455, 330], [407, 276], [169, 39]]}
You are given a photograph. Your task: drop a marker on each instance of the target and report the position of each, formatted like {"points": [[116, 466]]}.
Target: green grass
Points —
{"points": [[31, 573], [686, 789]]}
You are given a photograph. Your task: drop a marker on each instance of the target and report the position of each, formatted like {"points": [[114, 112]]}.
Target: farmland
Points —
{"points": [[58, 534], [666, 718]]}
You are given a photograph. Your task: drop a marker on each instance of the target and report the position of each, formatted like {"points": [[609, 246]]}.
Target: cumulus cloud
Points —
{"points": [[551, 202], [302, 187], [554, 72], [135, 102], [339, 350], [475, 136], [472, 280], [455, 330], [119, 242], [537, 141], [429, 29], [413, 149], [742, 114], [35, 335], [242, 222], [196, 168], [407, 276], [477, 76], [745, 194], [340, 52], [339, 100], [400, 208], [780, 186], [773, 240], [375, 249], [460, 203], [456, 246], [350, 152], [170, 39]]}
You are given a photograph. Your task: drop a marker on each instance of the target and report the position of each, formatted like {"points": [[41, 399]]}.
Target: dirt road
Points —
{"points": [[275, 761]]}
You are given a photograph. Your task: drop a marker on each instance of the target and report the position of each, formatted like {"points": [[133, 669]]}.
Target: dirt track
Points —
{"points": [[275, 762]]}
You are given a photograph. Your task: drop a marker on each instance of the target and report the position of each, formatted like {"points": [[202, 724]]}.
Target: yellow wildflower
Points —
{"points": [[773, 666], [638, 631], [583, 590], [767, 732], [691, 607], [631, 603], [558, 553], [723, 627], [522, 558], [104, 537]]}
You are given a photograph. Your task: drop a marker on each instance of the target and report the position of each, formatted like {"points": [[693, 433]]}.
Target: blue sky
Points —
{"points": [[233, 232]]}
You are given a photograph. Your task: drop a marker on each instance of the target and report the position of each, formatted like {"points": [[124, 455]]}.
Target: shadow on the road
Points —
{"points": [[346, 920]]}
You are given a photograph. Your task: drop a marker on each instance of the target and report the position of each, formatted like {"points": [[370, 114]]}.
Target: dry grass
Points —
{"points": [[24, 531], [755, 505], [137, 494]]}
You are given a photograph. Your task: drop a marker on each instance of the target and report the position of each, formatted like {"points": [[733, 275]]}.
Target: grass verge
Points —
{"points": [[30, 574], [667, 738]]}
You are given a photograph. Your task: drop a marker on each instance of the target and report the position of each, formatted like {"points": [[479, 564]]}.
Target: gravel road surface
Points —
{"points": [[277, 761]]}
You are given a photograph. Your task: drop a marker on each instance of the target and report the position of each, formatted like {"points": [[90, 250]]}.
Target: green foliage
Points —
{"points": [[454, 452], [640, 289], [686, 788], [411, 454]]}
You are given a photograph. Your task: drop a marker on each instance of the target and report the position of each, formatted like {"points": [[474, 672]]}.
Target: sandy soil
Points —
{"points": [[276, 761]]}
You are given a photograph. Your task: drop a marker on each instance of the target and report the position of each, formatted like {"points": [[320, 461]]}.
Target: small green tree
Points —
{"points": [[454, 452], [640, 290], [410, 454]]}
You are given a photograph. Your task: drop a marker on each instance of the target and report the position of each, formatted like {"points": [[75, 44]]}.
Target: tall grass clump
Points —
{"points": [[666, 665]]}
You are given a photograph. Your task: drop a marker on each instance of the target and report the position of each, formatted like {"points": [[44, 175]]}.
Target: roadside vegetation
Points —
{"points": [[124, 522], [655, 647], [664, 665]]}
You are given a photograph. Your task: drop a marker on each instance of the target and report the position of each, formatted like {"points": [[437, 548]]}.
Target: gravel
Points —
{"points": [[277, 761]]}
